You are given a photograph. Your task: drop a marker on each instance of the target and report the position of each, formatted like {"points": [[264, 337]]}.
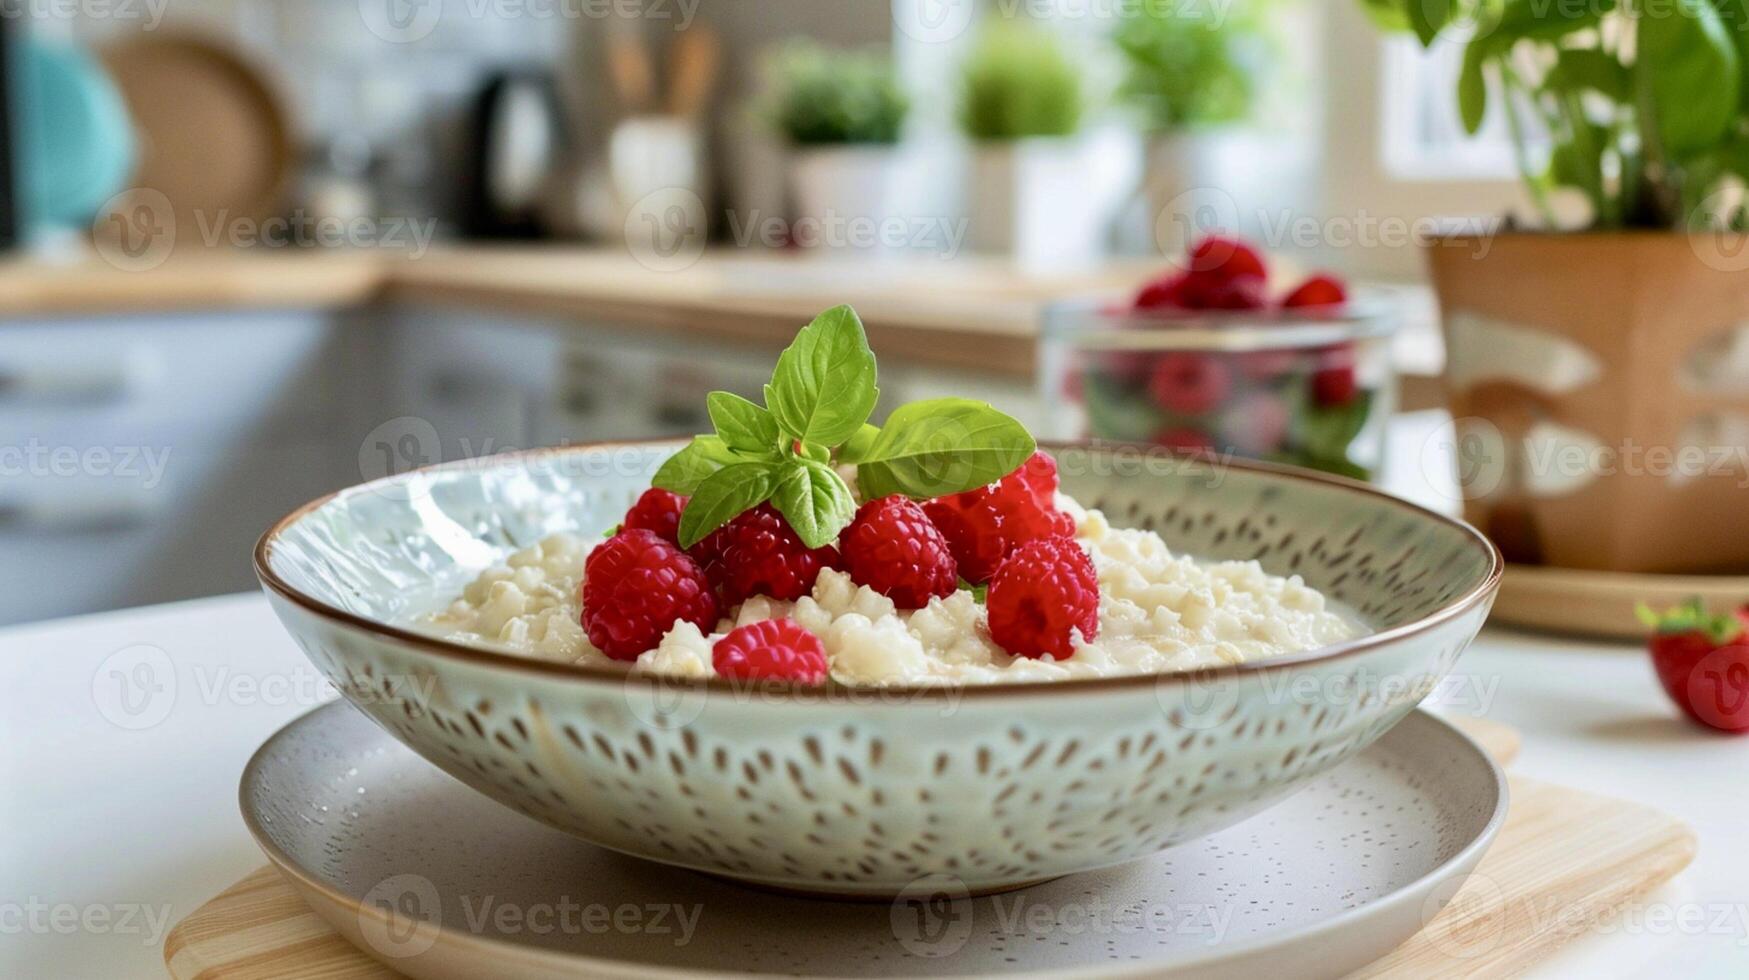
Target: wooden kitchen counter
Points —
{"points": [[969, 312], [966, 312]]}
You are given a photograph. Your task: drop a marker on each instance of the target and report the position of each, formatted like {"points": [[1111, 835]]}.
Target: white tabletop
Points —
{"points": [[124, 735]]}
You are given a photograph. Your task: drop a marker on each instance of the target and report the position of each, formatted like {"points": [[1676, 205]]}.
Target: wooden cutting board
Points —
{"points": [[1560, 849]]}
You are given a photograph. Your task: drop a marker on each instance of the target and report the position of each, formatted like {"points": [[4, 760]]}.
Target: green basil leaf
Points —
{"points": [[1328, 432], [942, 446], [1387, 15], [1540, 20], [857, 448], [742, 424], [815, 501], [724, 494], [1428, 17], [824, 385], [1734, 14], [1688, 64], [686, 469], [1587, 69], [816, 452], [1472, 88]]}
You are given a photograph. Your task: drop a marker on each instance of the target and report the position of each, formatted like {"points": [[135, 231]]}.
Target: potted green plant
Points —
{"points": [[841, 114], [1587, 364], [1030, 192], [1192, 73]]}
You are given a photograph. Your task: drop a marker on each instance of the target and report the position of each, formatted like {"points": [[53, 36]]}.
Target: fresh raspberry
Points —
{"points": [[1319, 290], [1165, 293], [758, 553], [1258, 424], [1043, 592], [657, 510], [636, 586], [1244, 292], [1189, 384], [1184, 439], [771, 649], [984, 525], [1227, 258], [1039, 475], [1199, 290], [893, 549], [1333, 384]]}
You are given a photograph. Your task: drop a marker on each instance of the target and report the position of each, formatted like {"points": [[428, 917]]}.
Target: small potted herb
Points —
{"points": [[1590, 361], [1030, 192], [1191, 73], [841, 114]]}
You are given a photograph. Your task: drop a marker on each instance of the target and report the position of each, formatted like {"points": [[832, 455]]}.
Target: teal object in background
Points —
{"points": [[76, 145]]}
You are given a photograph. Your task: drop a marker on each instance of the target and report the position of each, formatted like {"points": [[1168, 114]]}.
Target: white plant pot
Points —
{"points": [[845, 197], [1048, 203], [1237, 180]]}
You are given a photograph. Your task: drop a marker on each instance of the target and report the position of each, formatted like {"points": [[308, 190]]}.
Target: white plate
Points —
{"points": [[438, 881]]}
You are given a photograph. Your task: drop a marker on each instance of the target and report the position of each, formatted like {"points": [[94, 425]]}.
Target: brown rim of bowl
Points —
{"points": [[583, 672]]}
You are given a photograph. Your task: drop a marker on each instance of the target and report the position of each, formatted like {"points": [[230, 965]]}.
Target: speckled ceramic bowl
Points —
{"points": [[863, 792]]}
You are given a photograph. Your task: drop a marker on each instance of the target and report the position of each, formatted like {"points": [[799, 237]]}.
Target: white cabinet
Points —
{"points": [[141, 456]]}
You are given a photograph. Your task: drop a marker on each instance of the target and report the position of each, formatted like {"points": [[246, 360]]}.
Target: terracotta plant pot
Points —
{"points": [[1600, 384]]}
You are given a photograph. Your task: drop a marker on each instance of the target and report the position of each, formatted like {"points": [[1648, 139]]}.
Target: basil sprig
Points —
{"points": [[815, 418]]}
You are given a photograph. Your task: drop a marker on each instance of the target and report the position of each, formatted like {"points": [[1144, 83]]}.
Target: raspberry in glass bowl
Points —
{"points": [[1309, 386]]}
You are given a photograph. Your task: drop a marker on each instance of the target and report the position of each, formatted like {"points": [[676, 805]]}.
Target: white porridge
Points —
{"points": [[1158, 612]]}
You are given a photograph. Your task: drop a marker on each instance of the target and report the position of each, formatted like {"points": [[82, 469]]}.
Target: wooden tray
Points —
{"points": [[1560, 848], [1601, 604]]}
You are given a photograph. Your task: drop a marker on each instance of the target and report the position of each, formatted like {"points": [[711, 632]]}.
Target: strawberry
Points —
{"points": [[1703, 662]]}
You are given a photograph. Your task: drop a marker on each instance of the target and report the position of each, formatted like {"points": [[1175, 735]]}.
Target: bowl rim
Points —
{"points": [[1478, 594], [1093, 323]]}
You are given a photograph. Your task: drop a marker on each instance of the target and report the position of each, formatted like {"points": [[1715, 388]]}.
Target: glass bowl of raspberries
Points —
{"points": [[1206, 359]]}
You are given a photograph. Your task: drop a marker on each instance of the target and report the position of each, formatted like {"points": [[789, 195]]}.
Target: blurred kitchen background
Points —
{"points": [[262, 250]]}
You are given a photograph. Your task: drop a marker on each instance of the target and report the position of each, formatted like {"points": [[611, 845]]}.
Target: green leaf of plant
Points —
{"points": [[1472, 88], [942, 446], [1387, 15], [816, 452], [858, 446], [1734, 14], [815, 501], [742, 424], [1688, 64], [1588, 69], [1328, 432], [1541, 20], [824, 385], [1428, 17], [724, 494], [686, 469]]}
